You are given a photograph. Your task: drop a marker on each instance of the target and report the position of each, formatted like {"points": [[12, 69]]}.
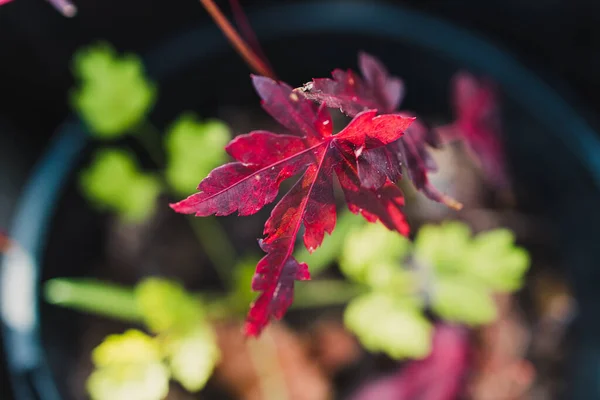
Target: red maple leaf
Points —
{"points": [[376, 89], [265, 159], [477, 124]]}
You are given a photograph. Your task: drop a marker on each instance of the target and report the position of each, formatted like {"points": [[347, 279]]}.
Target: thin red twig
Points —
{"points": [[247, 32], [236, 41]]}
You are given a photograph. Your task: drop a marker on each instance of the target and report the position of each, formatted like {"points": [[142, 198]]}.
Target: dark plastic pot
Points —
{"points": [[554, 154]]}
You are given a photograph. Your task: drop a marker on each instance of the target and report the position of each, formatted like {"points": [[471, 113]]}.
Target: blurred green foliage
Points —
{"points": [[468, 270], [114, 94], [114, 98], [136, 366], [388, 318], [192, 356], [194, 148], [447, 270], [180, 318], [166, 307], [493, 259], [461, 299], [114, 182], [390, 324], [371, 255], [241, 293], [128, 367]]}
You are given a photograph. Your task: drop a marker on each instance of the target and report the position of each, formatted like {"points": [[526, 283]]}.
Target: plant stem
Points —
{"points": [[93, 296], [241, 21], [111, 300], [216, 245], [249, 56], [322, 293], [149, 137]]}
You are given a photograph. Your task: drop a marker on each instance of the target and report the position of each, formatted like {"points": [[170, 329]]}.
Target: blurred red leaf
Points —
{"points": [[440, 376], [477, 123], [265, 159]]}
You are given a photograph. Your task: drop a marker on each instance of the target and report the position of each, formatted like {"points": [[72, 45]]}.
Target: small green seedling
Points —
{"points": [[446, 270], [135, 365], [114, 95]]}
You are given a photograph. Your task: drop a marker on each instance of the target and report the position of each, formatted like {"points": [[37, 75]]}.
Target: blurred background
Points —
{"points": [[557, 39]]}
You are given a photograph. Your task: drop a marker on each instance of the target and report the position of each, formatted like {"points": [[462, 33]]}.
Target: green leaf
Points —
{"points": [[495, 260], [391, 277], [132, 346], [372, 254], [166, 307], [114, 94], [464, 300], [113, 182], [319, 293], [139, 200], [94, 297], [395, 326], [194, 148], [443, 247], [192, 357], [128, 367]]}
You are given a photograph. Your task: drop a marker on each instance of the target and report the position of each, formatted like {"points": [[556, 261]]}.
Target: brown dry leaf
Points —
{"points": [[553, 298], [510, 382], [502, 373], [276, 366], [332, 346]]}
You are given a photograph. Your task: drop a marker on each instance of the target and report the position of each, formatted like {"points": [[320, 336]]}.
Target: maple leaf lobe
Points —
{"points": [[378, 90]]}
